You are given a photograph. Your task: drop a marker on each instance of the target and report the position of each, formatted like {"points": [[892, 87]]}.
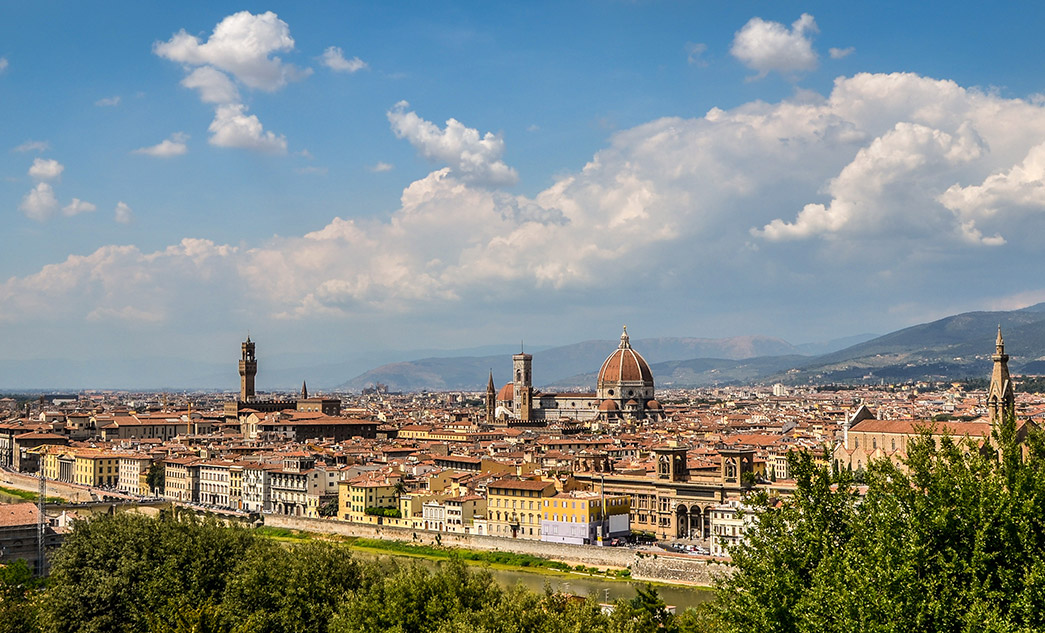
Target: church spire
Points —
{"points": [[491, 400], [1001, 400], [304, 391]]}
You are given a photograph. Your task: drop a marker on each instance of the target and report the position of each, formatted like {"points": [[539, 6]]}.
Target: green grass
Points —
{"points": [[507, 559], [282, 534], [27, 495]]}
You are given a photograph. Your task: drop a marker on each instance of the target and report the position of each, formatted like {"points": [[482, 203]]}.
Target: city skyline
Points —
{"points": [[350, 179]]}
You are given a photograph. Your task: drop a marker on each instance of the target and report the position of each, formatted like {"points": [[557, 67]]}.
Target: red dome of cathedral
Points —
{"points": [[625, 365], [507, 392]]}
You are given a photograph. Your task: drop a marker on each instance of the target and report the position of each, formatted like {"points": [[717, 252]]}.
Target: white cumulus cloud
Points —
{"points": [[213, 85], [242, 44], [46, 169], [473, 158], [77, 207], [40, 203], [123, 213], [770, 46], [866, 199], [334, 59], [381, 166], [839, 53], [233, 127], [173, 146], [108, 102], [240, 48]]}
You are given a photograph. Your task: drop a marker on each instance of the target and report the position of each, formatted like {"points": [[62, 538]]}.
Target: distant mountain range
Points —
{"points": [[694, 360], [952, 348]]}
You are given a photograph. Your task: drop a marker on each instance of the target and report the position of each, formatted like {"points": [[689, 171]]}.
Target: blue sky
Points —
{"points": [[341, 178]]}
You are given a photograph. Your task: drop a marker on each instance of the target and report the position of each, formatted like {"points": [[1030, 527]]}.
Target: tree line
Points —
{"points": [[952, 540], [176, 574]]}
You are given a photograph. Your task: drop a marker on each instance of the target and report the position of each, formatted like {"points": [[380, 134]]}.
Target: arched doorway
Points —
{"points": [[681, 521]]}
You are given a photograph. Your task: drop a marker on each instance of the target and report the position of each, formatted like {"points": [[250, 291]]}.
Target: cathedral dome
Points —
{"points": [[507, 392], [625, 365]]}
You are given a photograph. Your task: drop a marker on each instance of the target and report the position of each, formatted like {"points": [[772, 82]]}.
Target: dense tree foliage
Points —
{"points": [[179, 574], [953, 542], [155, 478], [19, 593]]}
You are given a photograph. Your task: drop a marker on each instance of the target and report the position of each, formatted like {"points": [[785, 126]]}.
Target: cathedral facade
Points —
{"points": [[624, 389]]}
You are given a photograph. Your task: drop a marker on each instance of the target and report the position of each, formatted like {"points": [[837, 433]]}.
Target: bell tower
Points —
{"points": [[491, 400], [521, 365], [1001, 400], [248, 368]]}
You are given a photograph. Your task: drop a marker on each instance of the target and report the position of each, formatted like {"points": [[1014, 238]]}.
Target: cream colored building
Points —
{"points": [[513, 507]]}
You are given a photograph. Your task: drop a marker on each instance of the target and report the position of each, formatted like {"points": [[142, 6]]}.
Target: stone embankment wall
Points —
{"points": [[644, 566], [21, 481]]}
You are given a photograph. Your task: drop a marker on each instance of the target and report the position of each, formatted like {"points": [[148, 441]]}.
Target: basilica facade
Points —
{"points": [[624, 389]]}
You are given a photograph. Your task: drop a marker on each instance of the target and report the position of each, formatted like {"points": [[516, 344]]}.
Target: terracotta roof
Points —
{"points": [[913, 427], [14, 514], [507, 392], [517, 484], [625, 365]]}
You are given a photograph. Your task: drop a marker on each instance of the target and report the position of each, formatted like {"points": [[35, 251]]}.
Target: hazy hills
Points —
{"points": [[696, 361], [951, 348], [954, 347]]}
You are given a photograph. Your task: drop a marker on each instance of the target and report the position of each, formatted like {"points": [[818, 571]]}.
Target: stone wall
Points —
{"points": [[677, 569], [21, 481]]}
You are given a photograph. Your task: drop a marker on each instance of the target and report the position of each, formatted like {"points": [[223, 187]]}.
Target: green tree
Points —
{"points": [[154, 478], [19, 598], [115, 571], [276, 589], [955, 541], [328, 509], [415, 600]]}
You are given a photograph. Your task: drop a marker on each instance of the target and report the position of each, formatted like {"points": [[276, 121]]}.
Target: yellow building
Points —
{"points": [[95, 468], [356, 495], [585, 518], [513, 507]]}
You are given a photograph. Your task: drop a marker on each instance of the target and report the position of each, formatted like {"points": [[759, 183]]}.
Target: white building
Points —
{"points": [[729, 522]]}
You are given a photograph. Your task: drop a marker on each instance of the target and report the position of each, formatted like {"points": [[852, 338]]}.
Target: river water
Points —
{"points": [[680, 596]]}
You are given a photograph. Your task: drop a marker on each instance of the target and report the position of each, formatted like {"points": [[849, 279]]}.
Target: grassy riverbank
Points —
{"points": [[14, 495], [494, 559]]}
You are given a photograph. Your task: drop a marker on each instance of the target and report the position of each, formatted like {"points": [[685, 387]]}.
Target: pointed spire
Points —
{"points": [[1001, 399], [304, 391], [489, 384], [625, 342]]}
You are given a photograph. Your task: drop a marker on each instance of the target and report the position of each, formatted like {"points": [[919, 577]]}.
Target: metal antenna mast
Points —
{"points": [[40, 523]]}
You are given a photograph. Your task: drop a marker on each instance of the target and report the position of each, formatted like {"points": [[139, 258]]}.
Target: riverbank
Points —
{"points": [[644, 565], [554, 575], [500, 560], [16, 495]]}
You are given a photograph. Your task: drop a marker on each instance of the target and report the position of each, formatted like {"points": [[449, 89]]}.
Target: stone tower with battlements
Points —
{"points": [[248, 369]]}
